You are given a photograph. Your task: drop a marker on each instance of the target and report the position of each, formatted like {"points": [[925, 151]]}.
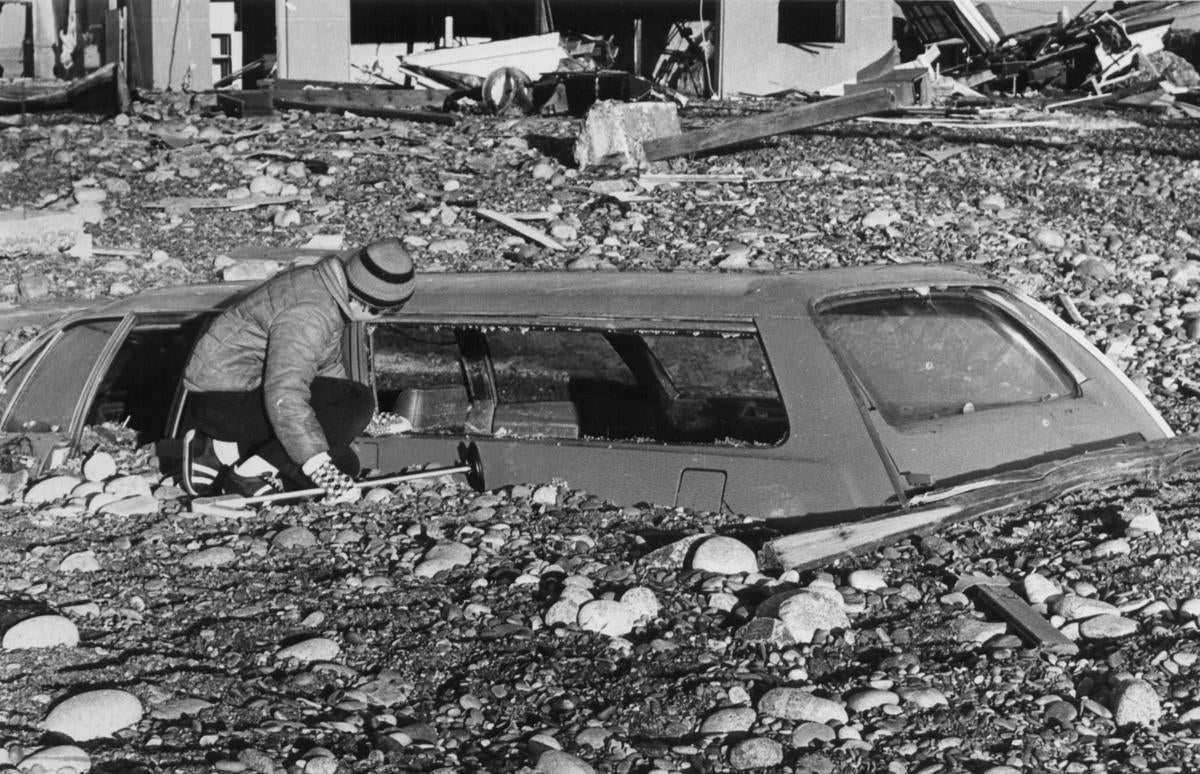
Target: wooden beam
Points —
{"points": [[356, 97], [519, 228], [1152, 460], [1004, 603], [340, 105], [770, 124], [217, 202]]}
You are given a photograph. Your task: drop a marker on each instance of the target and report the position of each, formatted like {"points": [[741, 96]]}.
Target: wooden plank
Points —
{"points": [[1151, 460], [1004, 603], [769, 125], [520, 229], [381, 111], [217, 202], [820, 546], [359, 97]]}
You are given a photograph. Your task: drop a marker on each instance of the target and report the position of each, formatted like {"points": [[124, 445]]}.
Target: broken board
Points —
{"points": [[1003, 602], [1152, 460], [768, 125]]}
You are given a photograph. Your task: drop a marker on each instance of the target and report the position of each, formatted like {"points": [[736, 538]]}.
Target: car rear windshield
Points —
{"points": [[931, 356]]}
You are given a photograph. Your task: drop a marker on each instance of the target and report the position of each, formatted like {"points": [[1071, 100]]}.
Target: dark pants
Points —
{"points": [[343, 409]]}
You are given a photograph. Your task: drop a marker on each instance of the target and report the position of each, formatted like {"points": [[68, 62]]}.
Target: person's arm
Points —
{"points": [[297, 342]]}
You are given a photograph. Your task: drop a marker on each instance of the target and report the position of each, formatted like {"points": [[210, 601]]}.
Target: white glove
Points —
{"points": [[339, 488]]}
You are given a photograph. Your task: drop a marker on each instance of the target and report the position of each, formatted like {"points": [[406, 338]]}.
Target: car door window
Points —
{"points": [[47, 399], [139, 386], [933, 356]]}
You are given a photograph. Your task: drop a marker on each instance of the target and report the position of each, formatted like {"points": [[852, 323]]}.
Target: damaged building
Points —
{"points": [[724, 47]]}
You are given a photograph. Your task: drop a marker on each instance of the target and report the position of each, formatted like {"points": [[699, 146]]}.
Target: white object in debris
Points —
{"points": [[534, 55]]}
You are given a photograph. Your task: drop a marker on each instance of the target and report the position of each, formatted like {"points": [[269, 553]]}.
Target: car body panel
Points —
{"points": [[837, 458]]}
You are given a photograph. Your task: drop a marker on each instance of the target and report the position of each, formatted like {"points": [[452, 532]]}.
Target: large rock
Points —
{"points": [[129, 486], [38, 231], [615, 131], [724, 555], [643, 602], [1135, 702], [871, 698], [1107, 627], [41, 631], [137, 505], [559, 762], [1039, 588], [1076, 608], [796, 704], [94, 714], [99, 466], [217, 556], [757, 752], [807, 612], [729, 720], [60, 757], [50, 489], [294, 537], [312, 649], [605, 616]]}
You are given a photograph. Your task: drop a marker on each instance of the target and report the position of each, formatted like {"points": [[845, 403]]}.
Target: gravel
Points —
{"points": [[445, 630]]}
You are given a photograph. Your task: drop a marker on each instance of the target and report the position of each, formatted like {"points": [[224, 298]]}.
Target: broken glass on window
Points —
{"points": [[932, 356]]}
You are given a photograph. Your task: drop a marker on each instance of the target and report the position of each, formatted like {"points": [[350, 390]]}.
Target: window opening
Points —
{"points": [[811, 21], [48, 398], [662, 386], [936, 356], [140, 384]]}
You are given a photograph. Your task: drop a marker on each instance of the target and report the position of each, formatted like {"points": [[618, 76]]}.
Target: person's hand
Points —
{"points": [[339, 488]]}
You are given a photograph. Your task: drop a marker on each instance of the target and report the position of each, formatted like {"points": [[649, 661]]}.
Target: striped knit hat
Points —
{"points": [[381, 274]]}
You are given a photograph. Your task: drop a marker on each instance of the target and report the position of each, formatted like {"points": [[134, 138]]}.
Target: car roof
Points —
{"points": [[663, 294]]}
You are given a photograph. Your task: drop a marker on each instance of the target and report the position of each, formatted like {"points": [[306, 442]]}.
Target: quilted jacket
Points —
{"points": [[281, 336]]}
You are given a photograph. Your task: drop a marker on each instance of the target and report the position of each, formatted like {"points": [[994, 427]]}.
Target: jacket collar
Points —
{"points": [[332, 272]]}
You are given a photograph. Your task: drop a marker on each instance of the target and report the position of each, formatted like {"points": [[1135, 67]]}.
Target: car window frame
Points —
{"points": [[991, 296], [74, 427], [740, 326]]}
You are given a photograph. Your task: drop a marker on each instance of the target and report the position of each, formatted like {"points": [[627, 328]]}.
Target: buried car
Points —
{"points": [[825, 394]]}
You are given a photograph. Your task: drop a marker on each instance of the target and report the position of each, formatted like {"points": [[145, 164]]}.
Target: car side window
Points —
{"points": [[47, 399], [938, 355], [674, 387]]}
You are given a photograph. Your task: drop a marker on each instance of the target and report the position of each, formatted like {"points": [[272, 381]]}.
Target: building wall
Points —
{"points": [[12, 40], [168, 39], [316, 39], [752, 62]]}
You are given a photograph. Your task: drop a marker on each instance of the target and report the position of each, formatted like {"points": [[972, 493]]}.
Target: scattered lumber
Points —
{"points": [[1004, 603], [769, 125], [216, 202], [1151, 460], [1072, 311], [650, 181], [97, 90], [356, 97], [520, 229]]}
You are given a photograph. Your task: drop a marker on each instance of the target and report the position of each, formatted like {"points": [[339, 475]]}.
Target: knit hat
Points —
{"points": [[381, 274]]}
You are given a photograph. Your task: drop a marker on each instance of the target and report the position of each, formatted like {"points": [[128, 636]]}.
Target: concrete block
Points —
{"points": [[38, 231], [615, 131]]}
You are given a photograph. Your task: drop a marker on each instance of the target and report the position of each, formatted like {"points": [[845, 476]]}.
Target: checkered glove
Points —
{"points": [[339, 488]]}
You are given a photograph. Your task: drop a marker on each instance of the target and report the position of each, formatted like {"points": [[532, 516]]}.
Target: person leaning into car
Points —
{"points": [[269, 404]]}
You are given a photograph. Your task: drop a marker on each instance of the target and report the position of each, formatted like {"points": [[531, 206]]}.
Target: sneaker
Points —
{"points": [[228, 481], [200, 464]]}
